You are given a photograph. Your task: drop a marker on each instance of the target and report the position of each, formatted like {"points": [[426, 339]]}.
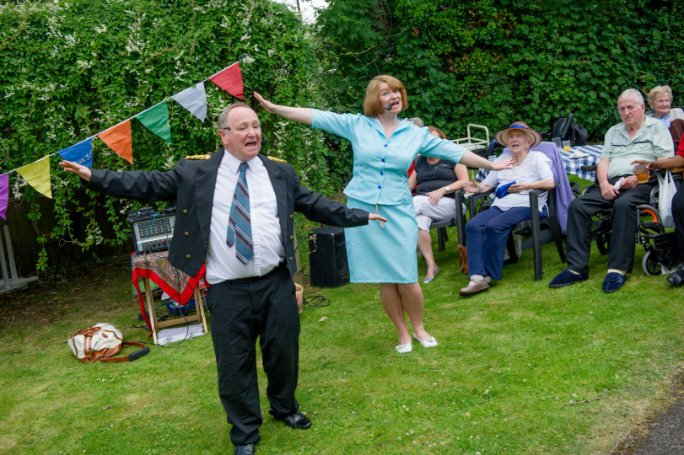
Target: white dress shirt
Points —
{"points": [[268, 249]]}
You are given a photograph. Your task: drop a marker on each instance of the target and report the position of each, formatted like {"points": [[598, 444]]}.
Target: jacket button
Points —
{"points": [[290, 258], [292, 237], [185, 211], [188, 256], [291, 216], [186, 233]]}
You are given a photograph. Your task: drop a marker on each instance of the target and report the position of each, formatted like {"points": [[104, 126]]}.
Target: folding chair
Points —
{"points": [[457, 220]]}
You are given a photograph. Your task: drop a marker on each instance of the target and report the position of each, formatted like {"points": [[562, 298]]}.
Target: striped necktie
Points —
{"points": [[239, 221]]}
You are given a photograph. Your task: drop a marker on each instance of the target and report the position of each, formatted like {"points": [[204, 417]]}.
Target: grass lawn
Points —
{"points": [[520, 369]]}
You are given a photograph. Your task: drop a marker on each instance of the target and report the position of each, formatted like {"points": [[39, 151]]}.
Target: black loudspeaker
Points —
{"points": [[328, 257]]}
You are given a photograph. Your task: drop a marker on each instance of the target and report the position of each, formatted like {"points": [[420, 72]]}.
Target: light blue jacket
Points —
{"points": [[380, 168]]}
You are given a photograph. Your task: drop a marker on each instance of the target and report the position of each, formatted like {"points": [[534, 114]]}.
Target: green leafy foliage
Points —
{"points": [[492, 62], [72, 69]]}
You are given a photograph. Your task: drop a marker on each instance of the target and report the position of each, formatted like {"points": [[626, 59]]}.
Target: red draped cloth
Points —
{"points": [[178, 285]]}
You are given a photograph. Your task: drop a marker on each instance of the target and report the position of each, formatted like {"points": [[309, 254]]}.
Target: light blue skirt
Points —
{"points": [[383, 252]]}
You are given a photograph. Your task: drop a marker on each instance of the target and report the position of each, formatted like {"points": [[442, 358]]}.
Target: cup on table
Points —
{"points": [[557, 141], [641, 172], [566, 146]]}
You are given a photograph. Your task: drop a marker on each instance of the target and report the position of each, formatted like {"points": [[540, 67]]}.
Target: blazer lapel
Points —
{"points": [[205, 186]]}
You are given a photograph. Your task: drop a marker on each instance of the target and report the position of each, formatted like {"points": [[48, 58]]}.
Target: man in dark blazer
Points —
{"points": [[252, 297]]}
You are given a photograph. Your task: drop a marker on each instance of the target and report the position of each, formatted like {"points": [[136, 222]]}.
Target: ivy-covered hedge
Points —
{"points": [[493, 61], [72, 69]]}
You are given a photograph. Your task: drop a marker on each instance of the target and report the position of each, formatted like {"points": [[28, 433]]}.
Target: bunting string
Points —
{"points": [[119, 137]]}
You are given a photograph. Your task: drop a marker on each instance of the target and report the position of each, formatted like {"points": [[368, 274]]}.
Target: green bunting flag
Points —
{"points": [[156, 119]]}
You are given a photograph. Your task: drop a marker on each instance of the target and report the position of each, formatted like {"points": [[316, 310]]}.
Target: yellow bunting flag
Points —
{"points": [[118, 138], [37, 174]]}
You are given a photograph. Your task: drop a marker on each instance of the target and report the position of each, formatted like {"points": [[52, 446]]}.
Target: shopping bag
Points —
{"points": [[666, 190]]}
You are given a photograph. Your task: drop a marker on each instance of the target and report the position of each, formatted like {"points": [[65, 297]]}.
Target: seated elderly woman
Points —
{"points": [[660, 100], [433, 183], [488, 231]]}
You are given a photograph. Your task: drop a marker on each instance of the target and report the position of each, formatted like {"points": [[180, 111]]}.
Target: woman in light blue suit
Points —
{"points": [[384, 145]]}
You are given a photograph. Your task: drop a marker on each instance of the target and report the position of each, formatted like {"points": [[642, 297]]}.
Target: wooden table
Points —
{"points": [[179, 286]]}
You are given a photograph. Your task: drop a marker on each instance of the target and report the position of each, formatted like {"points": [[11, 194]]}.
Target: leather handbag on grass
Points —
{"points": [[463, 253], [102, 342]]}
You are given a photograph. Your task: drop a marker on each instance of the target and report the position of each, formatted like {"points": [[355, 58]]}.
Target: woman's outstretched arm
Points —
{"points": [[298, 114]]}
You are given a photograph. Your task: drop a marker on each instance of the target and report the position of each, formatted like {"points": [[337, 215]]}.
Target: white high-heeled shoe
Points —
{"points": [[404, 348], [429, 342], [427, 280]]}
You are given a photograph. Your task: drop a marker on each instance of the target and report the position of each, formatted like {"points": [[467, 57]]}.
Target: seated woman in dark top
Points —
{"points": [[433, 183]]}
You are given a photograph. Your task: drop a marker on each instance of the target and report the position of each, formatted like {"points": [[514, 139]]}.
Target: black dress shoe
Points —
{"points": [[247, 449], [298, 421], [676, 278]]}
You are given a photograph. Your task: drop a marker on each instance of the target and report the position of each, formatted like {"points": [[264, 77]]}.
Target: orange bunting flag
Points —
{"points": [[230, 80], [37, 174], [119, 139]]}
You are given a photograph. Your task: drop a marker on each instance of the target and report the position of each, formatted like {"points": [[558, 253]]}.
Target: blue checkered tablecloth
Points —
{"points": [[574, 160], [585, 155]]}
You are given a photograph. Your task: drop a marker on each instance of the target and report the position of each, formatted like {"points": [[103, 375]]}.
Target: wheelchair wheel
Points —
{"points": [[650, 263]]}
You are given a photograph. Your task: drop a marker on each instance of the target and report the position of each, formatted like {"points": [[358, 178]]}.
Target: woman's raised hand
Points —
{"points": [[503, 164], [298, 114], [270, 107]]}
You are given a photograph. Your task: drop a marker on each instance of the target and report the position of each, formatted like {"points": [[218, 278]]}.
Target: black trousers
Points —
{"points": [[621, 248], [242, 311], [678, 215]]}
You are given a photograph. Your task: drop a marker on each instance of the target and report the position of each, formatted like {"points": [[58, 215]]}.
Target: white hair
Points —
{"points": [[633, 94]]}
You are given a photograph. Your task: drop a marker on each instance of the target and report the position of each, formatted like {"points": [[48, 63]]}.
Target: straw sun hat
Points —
{"points": [[503, 135]]}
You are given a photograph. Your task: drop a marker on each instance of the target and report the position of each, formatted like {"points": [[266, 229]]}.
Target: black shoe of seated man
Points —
{"points": [[247, 449], [566, 278], [676, 278], [297, 421]]}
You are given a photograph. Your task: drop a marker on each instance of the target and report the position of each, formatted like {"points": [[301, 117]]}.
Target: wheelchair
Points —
{"points": [[661, 254]]}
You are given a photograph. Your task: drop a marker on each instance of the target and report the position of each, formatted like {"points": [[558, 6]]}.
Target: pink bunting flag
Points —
{"points": [[4, 195], [119, 139], [230, 80]]}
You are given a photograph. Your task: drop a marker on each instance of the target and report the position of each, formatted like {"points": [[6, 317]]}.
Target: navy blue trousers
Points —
{"points": [[486, 236], [678, 214]]}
